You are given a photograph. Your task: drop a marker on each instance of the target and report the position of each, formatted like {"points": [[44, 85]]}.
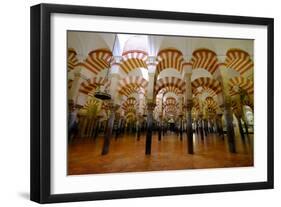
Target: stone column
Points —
{"points": [[94, 123], [118, 120], [181, 127], [97, 126], [150, 108], [141, 103], [238, 114], [160, 128], [140, 114], [219, 125], [229, 126], [181, 115], [108, 133], [90, 126], [113, 105], [77, 80], [84, 124], [246, 127], [139, 121], [201, 126], [241, 128], [151, 64], [225, 101], [188, 105], [189, 129], [196, 126]]}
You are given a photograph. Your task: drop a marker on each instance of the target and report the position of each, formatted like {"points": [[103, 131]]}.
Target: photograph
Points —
{"points": [[154, 102]]}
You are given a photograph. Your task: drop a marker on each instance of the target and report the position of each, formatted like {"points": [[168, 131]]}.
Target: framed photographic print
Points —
{"points": [[133, 103]]}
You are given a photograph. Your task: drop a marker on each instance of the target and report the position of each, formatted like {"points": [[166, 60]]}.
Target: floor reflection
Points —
{"points": [[126, 154]]}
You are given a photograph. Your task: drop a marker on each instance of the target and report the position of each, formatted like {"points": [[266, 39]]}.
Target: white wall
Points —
{"points": [[14, 104]]}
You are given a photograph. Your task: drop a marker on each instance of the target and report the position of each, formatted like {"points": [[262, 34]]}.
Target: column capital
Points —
{"points": [[150, 106], [113, 107], [187, 68], [219, 115], [114, 75], [152, 60], [79, 72], [116, 60]]}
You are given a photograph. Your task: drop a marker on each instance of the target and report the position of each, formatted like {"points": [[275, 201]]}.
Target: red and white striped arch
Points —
{"points": [[196, 104], [238, 60], [130, 102], [98, 60], [240, 82], [89, 85], [210, 103], [130, 89], [206, 82], [91, 103], [72, 60], [171, 109], [195, 111], [130, 114], [170, 82], [205, 89], [205, 59], [170, 101], [133, 59], [132, 84], [172, 89], [170, 58]]}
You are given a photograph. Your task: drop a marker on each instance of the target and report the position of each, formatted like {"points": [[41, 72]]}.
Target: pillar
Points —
{"points": [[113, 105], [150, 108], [160, 128], [189, 129], [225, 101], [108, 132], [90, 126], [181, 127], [97, 126], [139, 127], [201, 126], [241, 128], [84, 123], [117, 132], [219, 124], [188, 105], [78, 78], [181, 115], [151, 64], [229, 127], [246, 127], [140, 115], [238, 114]]}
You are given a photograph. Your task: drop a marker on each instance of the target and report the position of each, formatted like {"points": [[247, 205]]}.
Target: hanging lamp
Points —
{"points": [[101, 91]]}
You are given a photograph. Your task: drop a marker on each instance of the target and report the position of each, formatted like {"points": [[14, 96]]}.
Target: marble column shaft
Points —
{"points": [[109, 129], [150, 108]]}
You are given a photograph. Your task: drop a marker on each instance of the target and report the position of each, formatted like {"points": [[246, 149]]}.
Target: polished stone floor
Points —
{"points": [[126, 154]]}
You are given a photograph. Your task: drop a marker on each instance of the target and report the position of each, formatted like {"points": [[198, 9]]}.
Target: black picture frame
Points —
{"points": [[41, 95]]}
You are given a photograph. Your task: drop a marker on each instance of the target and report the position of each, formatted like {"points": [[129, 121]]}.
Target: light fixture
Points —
{"points": [[101, 91]]}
